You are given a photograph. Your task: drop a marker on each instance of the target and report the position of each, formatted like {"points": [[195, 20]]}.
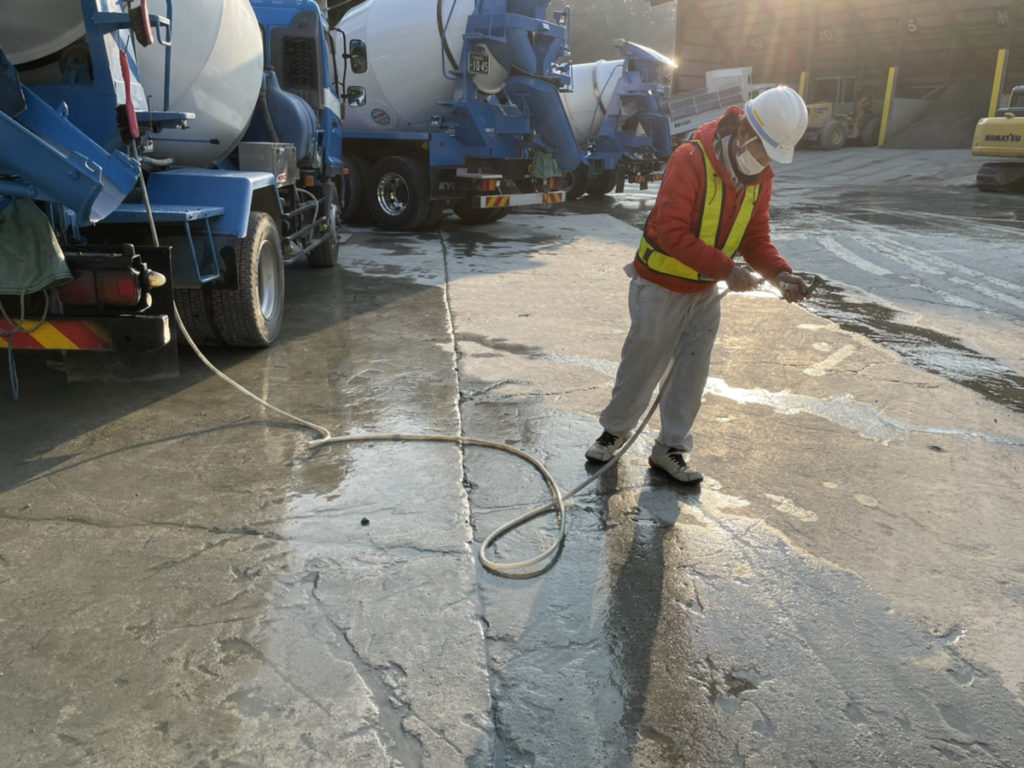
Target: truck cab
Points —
{"points": [[1016, 104], [297, 127]]}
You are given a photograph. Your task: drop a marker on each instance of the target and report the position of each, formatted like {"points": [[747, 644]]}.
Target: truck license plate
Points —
{"points": [[478, 64]]}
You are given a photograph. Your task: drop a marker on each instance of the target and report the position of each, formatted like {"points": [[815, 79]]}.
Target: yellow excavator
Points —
{"points": [[1002, 136]]}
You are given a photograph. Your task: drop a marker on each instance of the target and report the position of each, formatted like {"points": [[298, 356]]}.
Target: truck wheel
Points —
{"points": [[398, 195], [575, 182], [194, 309], [472, 215], [601, 185], [326, 254], [250, 315], [833, 135], [352, 206]]}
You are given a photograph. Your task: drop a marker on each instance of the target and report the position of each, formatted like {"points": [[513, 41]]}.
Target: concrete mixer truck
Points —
{"points": [[619, 115], [162, 153], [462, 110]]}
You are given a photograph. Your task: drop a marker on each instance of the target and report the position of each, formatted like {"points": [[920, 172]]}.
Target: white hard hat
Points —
{"points": [[779, 118]]}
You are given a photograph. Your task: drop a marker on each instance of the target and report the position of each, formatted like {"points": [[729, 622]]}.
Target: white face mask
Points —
{"points": [[746, 163]]}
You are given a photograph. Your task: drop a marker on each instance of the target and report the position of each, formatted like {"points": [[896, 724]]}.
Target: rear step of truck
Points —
{"points": [[525, 198]]}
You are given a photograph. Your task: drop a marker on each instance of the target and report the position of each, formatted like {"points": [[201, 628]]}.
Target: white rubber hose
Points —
{"points": [[558, 499]]}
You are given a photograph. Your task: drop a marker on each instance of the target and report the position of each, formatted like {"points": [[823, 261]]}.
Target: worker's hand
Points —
{"points": [[792, 287], [740, 279]]}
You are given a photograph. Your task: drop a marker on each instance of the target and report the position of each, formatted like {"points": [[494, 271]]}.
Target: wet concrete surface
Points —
{"points": [[923, 347], [914, 256], [185, 582]]}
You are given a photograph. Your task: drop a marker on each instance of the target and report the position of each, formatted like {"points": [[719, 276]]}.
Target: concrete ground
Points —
{"points": [[184, 581]]}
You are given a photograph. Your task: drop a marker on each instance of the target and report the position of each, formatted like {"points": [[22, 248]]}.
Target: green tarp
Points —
{"points": [[31, 259]]}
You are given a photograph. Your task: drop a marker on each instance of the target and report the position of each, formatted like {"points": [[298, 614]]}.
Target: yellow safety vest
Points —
{"points": [[710, 222]]}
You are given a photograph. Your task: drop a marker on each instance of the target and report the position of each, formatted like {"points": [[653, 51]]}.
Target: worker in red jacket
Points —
{"points": [[712, 206]]}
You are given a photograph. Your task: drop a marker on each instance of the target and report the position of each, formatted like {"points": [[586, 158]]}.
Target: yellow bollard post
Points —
{"points": [[997, 81], [889, 88]]}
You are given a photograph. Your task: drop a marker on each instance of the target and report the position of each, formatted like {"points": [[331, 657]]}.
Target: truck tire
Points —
{"points": [[326, 254], [352, 205], [250, 315], [477, 215], [197, 316], [575, 182], [833, 135], [601, 185], [398, 195]]}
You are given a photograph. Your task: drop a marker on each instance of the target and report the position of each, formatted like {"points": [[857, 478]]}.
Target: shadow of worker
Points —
{"points": [[636, 543]]}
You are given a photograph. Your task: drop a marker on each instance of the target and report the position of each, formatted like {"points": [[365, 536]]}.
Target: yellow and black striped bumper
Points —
{"points": [[109, 334]]}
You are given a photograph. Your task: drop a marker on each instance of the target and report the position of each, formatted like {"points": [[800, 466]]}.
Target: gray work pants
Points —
{"points": [[659, 319]]}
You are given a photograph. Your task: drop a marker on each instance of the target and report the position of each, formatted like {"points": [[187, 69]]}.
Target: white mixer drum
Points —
{"points": [[591, 97], [32, 29], [408, 56], [216, 73]]}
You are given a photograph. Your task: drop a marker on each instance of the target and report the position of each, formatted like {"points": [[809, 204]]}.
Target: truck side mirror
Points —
{"points": [[357, 55], [356, 95]]}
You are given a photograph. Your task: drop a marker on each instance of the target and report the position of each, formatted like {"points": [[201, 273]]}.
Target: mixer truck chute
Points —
{"points": [[462, 110], [620, 119], [230, 110]]}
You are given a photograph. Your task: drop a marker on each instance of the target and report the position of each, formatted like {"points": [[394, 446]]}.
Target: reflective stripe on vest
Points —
{"points": [[710, 223]]}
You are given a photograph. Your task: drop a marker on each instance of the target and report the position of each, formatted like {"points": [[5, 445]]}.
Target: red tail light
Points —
{"points": [[118, 288], [81, 290]]}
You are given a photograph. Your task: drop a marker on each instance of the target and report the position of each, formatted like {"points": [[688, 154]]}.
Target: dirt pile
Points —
{"points": [[949, 120]]}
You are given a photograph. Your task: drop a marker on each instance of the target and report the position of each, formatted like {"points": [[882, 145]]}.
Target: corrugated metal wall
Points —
{"points": [[933, 42]]}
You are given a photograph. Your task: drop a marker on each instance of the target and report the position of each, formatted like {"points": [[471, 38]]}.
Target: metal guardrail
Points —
{"points": [[688, 111], [696, 102]]}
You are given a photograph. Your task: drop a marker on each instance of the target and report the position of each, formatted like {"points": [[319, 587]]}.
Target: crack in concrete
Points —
{"points": [[959, 750], [287, 680], [150, 627], [503, 747], [392, 708], [239, 531]]}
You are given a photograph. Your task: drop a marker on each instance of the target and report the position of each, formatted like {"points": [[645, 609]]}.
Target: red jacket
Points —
{"points": [[674, 222]]}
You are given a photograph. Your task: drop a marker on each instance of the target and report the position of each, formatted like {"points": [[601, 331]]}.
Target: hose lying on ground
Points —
{"points": [[558, 501]]}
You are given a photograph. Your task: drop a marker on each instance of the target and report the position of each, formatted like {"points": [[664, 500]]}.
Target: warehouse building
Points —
{"points": [[943, 54]]}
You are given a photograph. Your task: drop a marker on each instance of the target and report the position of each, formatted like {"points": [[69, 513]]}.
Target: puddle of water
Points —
{"points": [[922, 347], [844, 410], [841, 409]]}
